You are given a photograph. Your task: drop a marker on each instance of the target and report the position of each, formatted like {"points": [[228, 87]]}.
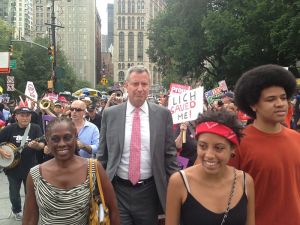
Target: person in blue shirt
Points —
{"points": [[88, 133]]}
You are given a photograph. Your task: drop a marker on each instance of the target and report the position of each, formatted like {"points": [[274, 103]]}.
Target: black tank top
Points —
{"points": [[194, 213]]}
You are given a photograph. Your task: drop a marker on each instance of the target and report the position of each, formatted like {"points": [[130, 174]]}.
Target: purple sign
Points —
{"points": [[182, 161]]}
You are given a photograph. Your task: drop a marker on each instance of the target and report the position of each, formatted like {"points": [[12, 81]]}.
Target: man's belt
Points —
{"points": [[129, 184]]}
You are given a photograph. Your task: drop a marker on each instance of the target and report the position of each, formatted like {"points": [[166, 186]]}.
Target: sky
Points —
{"points": [[102, 9]]}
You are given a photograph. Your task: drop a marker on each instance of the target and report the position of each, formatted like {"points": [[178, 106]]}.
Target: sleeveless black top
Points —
{"points": [[194, 213]]}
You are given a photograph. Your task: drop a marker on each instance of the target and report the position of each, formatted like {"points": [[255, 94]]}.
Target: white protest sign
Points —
{"points": [[4, 62], [31, 92], [223, 85], [178, 88], [186, 106]]}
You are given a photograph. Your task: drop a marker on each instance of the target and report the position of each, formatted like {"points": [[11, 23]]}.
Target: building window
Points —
{"points": [[119, 22], [130, 46], [119, 66], [123, 6], [138, 21], [133, 6], [140, 47], [133, 23], [129, 22], [129, 6], [121, 76], [123, 66], [142, 6], [119, 6], [142, 23], [138, 6], [121, 47], [128, 65], [123, 23]]}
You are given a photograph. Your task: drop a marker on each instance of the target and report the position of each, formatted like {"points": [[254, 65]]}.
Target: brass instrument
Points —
{"points": [[45, 104]]}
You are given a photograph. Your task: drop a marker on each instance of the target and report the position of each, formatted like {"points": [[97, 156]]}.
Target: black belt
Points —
{"points": [[129, 184]]}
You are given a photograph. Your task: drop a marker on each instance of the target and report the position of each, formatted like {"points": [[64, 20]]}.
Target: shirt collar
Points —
{"points": [[131, 108]]}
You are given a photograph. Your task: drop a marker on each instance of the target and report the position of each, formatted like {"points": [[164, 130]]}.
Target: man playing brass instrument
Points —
{"points": [[14, 134]]}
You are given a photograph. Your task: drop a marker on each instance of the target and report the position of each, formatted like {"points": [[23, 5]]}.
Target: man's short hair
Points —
{"points": [[137, 69], [250, 85]]}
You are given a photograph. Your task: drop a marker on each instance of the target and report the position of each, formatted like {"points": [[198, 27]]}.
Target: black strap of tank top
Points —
{"points": [[183, 180], [244, 182]]}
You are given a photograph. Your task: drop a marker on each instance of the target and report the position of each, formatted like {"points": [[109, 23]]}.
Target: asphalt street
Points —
{"points": [[5, 206]]}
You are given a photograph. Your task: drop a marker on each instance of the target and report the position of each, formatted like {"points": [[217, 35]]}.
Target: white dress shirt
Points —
{"points": [[145, 167]]}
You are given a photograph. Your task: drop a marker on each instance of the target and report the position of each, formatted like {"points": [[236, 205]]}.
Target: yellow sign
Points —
{"points": [[1, 89], [104, 81], [298, 81]]}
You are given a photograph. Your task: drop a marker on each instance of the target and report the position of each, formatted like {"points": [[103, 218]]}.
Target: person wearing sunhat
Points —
{"points": [[20, 133]]}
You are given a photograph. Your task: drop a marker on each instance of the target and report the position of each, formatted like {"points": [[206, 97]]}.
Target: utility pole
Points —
{"points": [[53, 27], [53, 36]]}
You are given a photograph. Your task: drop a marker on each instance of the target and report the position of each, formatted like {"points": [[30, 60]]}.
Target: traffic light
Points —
{"points": [[51, 53], [50, 50], [11, 49]]}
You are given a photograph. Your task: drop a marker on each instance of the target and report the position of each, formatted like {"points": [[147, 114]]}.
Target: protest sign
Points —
{"points": [[186, 106], [178, 88], [4, 98], [31, 92], [223, 85], [182, 162], [213, 94]]}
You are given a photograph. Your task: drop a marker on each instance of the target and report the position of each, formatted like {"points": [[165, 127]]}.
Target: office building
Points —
{"points": [[130, 37]]}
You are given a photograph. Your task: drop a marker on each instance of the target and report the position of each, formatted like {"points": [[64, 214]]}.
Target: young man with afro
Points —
{"points": [[270, 152]]}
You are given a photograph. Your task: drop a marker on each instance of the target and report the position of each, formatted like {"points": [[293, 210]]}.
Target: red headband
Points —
{"points": [[217, 128]]}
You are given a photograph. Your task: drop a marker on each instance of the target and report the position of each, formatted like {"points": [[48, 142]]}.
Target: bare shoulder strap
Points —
{"points": [[185, 180], [244, 183]]}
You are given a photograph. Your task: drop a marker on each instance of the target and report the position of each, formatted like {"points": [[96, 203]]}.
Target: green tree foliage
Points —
{"points": [[214, 40], [5, 33], [33, 65]]}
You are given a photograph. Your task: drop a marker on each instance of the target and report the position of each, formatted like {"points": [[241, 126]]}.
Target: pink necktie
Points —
{"points": [[135, 149]]}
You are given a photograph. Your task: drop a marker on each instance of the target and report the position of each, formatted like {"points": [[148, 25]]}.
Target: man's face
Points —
{"points": [[272, 105], [77, 110], [92, 112], [137, 88], [226, 100], [23, 119], [163, 100], [57, 109]]}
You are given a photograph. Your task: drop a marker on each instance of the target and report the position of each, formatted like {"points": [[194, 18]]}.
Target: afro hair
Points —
{"points": [[250, 85]]}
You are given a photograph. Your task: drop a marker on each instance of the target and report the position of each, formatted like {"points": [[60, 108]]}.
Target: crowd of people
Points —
{"points": [[243, 156]]}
